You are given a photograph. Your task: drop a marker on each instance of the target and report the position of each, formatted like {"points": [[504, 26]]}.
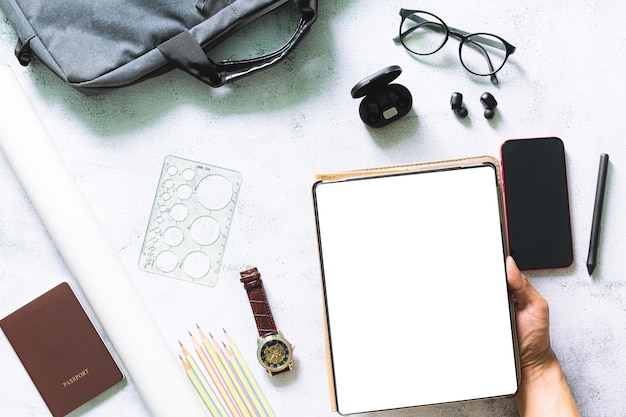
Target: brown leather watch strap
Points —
{"points": [[251, 279]]}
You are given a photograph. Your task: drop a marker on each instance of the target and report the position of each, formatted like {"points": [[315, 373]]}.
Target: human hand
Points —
{"points": [[532, 317], [543, 390]]}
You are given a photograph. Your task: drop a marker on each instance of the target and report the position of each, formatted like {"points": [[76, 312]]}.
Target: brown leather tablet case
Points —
{"points": [[346, 282]]}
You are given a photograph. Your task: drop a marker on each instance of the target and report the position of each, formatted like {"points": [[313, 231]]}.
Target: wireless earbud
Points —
{"points": [[456, 103], [489, 103], [372, 111]]}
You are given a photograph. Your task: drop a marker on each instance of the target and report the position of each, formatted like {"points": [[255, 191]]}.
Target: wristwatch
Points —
{"points": [[274, 352]]}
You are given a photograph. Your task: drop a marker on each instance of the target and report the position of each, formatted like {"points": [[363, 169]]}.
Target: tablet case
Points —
{"points": [[395, 338], [61, 350]]}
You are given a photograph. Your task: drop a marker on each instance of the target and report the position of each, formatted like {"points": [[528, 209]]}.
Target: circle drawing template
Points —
{"points": [[191, 216]]}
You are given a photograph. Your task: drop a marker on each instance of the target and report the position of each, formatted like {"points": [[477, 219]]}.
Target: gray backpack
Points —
{"points": [[95, 46]]}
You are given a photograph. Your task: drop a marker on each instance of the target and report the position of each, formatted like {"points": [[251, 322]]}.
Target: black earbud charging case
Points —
{"points": [[384, 102]]}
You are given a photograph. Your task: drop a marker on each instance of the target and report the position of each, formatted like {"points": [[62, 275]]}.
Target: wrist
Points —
{"points": [[544, 391], [545, 366]]}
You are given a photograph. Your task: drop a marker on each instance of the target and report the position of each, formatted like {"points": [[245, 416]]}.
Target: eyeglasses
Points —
{"points": [[423, 33]]}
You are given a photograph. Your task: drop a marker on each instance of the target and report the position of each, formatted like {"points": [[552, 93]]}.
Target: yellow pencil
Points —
{"points": [[234, 376], [216, 361], [201, 391], [203, 382], [210, 368], [249, 394], [230, 377], [255, 386]]}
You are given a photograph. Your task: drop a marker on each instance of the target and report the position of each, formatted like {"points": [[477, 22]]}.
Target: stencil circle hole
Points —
{"points": [[184, 192], [205, 230], [168, 184], [189, 174], [173, 236], [172, 170], [166, 261], [214, 192], [179, 212], [197, 264]]}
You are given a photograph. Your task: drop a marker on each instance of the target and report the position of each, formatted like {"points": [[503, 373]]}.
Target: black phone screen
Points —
{"points": [[537, 203]]}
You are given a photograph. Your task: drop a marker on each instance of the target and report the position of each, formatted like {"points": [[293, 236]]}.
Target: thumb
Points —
{"points": [[522, 290]]}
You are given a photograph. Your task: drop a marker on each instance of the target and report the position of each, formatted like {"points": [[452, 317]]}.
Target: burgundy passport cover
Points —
{"points": [[61, 350]]}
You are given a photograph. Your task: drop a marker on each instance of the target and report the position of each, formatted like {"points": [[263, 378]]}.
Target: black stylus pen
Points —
{"points": [[592, 257]]}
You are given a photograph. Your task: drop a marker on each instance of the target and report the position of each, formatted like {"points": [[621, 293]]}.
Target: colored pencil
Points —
{"points": [[251, 411], [231, 377], [250, 378], [216, 361], [196, 369], [213, 373], [255, 408], [208, 402]]}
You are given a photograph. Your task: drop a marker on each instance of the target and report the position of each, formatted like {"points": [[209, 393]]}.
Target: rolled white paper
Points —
{"points": [[88, 254]]}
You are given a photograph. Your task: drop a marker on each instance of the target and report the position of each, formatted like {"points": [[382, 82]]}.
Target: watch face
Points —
{"points": [[275, 353]]}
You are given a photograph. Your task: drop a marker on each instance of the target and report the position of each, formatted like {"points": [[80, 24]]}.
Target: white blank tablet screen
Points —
{"points": [[415, 287]]}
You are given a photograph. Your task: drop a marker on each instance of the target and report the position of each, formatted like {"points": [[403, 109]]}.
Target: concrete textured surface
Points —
{"points": [[281, 127]]}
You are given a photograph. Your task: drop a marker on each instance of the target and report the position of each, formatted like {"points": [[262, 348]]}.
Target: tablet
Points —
{"points": [[413, 272]]}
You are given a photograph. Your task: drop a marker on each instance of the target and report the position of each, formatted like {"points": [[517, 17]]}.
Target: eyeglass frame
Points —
{"points": [[465, 38]]}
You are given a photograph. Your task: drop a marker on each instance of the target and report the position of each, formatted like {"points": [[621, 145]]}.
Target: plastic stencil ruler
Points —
{"points": [[191, 216]]}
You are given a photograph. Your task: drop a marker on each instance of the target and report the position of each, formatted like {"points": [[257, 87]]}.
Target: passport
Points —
{"points": [[61, 350]]}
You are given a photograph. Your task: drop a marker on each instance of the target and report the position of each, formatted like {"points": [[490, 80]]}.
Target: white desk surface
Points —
{"points": [[283, 126]]}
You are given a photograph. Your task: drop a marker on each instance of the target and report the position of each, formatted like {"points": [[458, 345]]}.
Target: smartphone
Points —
{"points": [[537, 203]]}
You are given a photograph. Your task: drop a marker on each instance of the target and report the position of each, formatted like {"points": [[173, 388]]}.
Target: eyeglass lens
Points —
{"points": [[481, 53], [423, 33]]}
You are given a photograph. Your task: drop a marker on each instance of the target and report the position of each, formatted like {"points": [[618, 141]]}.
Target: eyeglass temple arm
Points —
{"points": [[421, 21], [438, 27]]}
